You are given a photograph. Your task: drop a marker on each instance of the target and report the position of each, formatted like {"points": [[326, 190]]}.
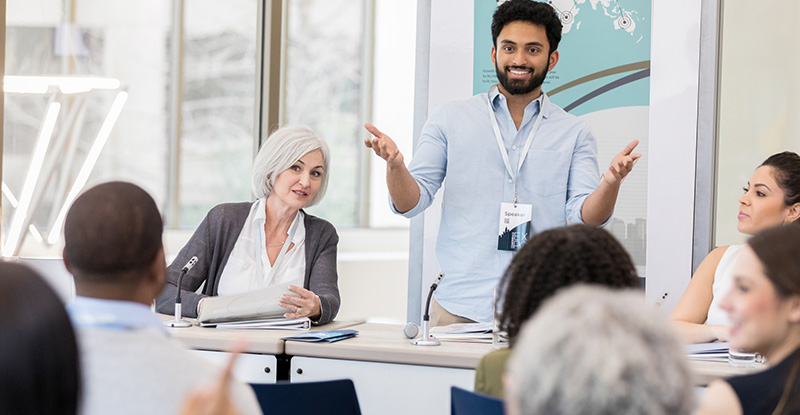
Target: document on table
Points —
{"points": [[250, 306], [276, 323], [329, 336], [464, 332], [713, 352]]}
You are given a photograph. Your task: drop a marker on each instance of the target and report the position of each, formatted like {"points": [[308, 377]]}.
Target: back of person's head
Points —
{"points": [[592, 350], [283, 148], [786, 171], [533, 12], [557, 258], [112, 234], [39, 370]]}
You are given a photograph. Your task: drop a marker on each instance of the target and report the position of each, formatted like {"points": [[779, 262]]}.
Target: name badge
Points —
{"points": [[515, 226]]}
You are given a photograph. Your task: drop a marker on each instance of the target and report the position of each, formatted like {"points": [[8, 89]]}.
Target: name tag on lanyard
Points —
{"points": [[515, 218], [515, 226]]}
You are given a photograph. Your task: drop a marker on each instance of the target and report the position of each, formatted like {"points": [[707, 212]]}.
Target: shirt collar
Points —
{"points": [[495, 97], [112, 315]]}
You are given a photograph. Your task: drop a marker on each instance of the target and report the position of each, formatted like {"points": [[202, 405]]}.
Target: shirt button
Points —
{"points": [[513, 147], [510, 181]]}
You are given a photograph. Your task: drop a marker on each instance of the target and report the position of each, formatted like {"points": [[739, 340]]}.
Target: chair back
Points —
{"points": [[334, 397], [464, 402]]}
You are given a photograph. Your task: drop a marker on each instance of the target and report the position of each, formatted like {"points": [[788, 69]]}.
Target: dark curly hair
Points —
{"points": [[534, 12], [555, 259], [786, 168]]}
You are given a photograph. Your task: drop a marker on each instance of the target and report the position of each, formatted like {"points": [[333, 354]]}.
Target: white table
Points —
{"points": [[390, 374]]}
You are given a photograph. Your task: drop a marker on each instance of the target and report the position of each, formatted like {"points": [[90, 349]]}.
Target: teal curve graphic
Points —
{"points": [[642, 68]]}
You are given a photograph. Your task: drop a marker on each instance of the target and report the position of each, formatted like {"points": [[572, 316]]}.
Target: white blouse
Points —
{"points": [[248, 265], [723, 281]]}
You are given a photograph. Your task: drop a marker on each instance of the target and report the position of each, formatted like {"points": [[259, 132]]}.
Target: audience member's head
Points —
{"points": [[39, 368], [113, 244], [592, 350], [786, 171], [555, 259], [764, 304]]}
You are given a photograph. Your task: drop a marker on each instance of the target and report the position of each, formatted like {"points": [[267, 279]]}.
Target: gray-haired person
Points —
{"points": [[591, 350], [239, 244]]}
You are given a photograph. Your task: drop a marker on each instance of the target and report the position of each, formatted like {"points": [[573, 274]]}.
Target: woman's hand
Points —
{"points": [[306, 305]]}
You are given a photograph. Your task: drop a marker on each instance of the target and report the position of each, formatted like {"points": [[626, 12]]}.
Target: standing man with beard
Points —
{"points": [[516, 164]]}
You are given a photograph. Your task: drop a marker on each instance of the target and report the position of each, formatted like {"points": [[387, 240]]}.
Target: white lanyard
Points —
{"points": [[501, 145]]}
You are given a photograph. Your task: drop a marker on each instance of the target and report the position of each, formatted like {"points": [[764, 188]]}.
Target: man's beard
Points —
{"points": [[519, 86]]}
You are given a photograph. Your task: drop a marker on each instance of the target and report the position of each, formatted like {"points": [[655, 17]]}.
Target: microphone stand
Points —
{"points": [[427, 339], [179, 321]]}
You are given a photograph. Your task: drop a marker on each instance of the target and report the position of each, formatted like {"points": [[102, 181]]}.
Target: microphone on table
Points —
{"points": [[179, 321], [427, 339]]}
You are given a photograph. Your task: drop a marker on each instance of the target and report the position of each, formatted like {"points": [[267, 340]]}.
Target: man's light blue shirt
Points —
{"points": [[96, 313], [457, 142]]}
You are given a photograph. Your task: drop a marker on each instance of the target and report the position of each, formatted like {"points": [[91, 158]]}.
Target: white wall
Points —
{"points": [[674, 72]]}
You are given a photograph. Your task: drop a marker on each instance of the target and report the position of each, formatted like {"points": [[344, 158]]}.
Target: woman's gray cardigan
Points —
{"points": [[213, 242]]}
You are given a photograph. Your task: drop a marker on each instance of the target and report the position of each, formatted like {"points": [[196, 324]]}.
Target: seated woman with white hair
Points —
{"points": [[594, 350], [252, 245]]}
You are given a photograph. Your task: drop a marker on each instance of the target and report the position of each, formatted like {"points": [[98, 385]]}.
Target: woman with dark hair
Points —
{"points": [[551, 260], [771, 197], [764, 308], [38, 354]]}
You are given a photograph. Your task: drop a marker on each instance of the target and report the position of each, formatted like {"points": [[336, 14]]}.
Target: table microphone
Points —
{"points": [[179, 321], [427, 339]]}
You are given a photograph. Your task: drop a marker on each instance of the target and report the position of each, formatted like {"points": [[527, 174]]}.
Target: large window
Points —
{"points": [[324, 88], [166, 94], [159, 93]]}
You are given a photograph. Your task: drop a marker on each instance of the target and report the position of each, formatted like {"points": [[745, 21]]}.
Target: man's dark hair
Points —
{"points": [[534, 12], [559, 258], [112, 230], [39, 360]]}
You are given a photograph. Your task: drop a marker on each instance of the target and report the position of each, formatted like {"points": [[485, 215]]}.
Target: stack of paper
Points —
{"points": [[276, 323], [711, 352], [324, 336], [258, 309], [466, 332]]}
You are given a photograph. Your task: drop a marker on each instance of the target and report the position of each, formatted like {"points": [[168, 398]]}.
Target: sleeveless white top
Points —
{"points": [[723, 281]]}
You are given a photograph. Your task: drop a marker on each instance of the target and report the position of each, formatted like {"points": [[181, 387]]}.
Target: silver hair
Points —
{"points": [[592, 350], [280, 150]]}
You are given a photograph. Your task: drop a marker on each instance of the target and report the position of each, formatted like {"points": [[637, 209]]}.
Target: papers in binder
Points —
{"points": [[277, 323], [251, 306]]}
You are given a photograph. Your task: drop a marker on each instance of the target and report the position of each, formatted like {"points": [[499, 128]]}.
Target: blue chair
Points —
{"points": [[334, 397], [464, 402]]}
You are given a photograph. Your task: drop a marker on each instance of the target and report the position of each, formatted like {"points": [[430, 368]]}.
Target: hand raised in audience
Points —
{"points": [[215, 399]]}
